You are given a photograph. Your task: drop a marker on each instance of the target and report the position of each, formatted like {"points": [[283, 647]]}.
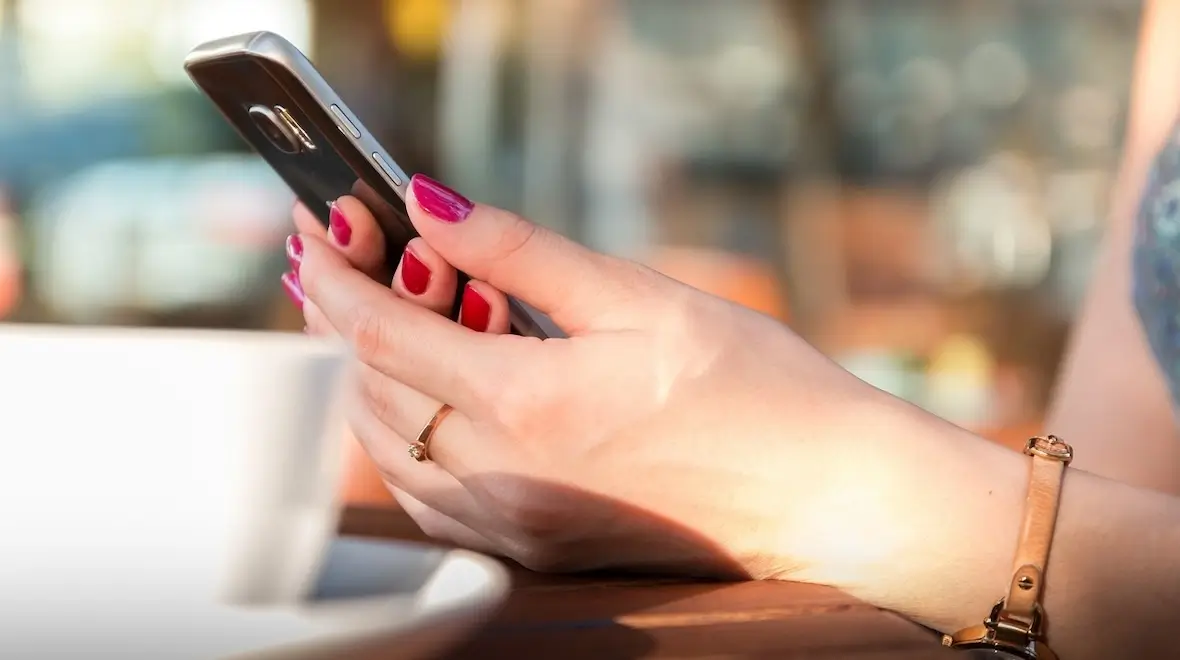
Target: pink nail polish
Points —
{"points": [[339, 227], [475, 313], [293, 289], [295, 252], [439, 201]]}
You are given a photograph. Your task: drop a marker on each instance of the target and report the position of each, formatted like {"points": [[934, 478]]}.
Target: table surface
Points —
{"points": [[603, 616]]}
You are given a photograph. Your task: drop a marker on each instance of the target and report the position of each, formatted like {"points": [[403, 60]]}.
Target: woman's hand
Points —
{"points": [[675, 431], [671, 430]]}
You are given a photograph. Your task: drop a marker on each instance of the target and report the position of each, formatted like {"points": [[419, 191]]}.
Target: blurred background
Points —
{"points": [[916, 186]]}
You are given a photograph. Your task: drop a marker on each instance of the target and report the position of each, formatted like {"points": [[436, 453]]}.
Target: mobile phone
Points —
{"points": [[272, 94]]}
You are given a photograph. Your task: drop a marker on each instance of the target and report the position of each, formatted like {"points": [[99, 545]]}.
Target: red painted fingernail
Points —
{"points": [[293, 289], [338, 225], [440, 201], [295, 252], [415, 274], [475, 313]]}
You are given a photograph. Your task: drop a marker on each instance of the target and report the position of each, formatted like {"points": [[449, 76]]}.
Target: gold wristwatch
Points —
{"points": [[1015, 628]]}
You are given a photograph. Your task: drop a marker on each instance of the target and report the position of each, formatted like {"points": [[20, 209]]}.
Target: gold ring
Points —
{"points": [[420, 447]]}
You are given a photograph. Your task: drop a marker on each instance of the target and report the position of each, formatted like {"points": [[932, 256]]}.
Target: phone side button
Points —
{"points": [[345, 121], [388, 169]]}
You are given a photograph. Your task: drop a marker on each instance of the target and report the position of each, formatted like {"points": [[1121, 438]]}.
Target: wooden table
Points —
{"points": [[607, 617]]}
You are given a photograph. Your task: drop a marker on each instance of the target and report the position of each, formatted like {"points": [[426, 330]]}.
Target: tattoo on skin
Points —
{"points": [[1155, 261]]}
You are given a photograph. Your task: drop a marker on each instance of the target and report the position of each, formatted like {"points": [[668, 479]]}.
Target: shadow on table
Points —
{"points": [[541, 609], [653, 607]]}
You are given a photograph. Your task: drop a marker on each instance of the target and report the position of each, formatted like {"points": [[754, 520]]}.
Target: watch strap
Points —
{"points": [[1015, 623], [1049, 455]]}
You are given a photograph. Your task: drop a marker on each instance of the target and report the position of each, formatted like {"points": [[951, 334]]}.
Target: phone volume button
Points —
{"points": [[390, 172], [345, 122]]}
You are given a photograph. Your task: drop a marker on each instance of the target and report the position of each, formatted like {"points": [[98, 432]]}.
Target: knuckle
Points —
{"points": [[492, 396], [646, 289], [369, 333], [475, 384], [515, 407], [520, 400], [516, 236], [375, 394]]}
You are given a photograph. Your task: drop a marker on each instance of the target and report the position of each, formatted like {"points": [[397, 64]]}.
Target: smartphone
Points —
{"points": [[272, 94]]}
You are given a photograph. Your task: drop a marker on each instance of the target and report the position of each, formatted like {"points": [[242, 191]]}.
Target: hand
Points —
{"points": [[422, 277], [672, 430]]}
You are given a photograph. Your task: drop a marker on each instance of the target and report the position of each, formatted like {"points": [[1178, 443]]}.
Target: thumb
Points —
{"points": [[561, 278]]}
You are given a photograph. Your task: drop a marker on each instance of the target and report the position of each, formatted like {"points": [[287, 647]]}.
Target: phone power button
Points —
{"points": [[345, 122], [392, 172]]}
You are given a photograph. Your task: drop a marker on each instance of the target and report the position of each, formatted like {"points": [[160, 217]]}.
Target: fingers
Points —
{"points": [[294, 289], [484, 308], [405, 412], [442, 527], [315, 323], [428, 481], [353, 230], [305, 221], [555, 275], [433, 490], [422, 278], [401, 408], [425, 279], [409, 344]]}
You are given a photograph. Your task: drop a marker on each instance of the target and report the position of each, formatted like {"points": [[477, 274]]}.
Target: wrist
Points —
{"points": [[920, 512], [924, 520]]}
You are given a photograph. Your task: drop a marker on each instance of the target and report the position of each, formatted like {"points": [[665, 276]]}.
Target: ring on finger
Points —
{"points": [[420, 447]]}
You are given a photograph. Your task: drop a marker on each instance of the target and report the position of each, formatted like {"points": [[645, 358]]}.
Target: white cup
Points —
{"points": [[149, 478]]}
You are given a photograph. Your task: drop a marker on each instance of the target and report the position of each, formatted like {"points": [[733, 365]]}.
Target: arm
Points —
{"points": [[1109, 389], [943, 536]]}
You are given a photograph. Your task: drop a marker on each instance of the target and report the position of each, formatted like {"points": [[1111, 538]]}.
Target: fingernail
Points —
{"points": [[338, 225], [293, 289], [475, 313], [440, 201], [415, 274], [295, 252]]}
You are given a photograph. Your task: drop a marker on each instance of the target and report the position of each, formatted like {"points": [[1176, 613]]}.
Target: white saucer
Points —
{"points": [[391, 598], [409, 600]]}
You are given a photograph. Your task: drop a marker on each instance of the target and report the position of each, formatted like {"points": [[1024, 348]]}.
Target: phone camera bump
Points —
{"points": [[297, 130], [275, 129]]}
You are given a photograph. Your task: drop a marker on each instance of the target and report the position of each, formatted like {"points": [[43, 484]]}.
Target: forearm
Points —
{"points": [[1113, 580], [1110, 388]]}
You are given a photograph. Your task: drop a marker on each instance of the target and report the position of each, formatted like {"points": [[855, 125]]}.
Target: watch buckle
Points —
{"points": [[1050, 447], [1003, 632], [1011, 630]]}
